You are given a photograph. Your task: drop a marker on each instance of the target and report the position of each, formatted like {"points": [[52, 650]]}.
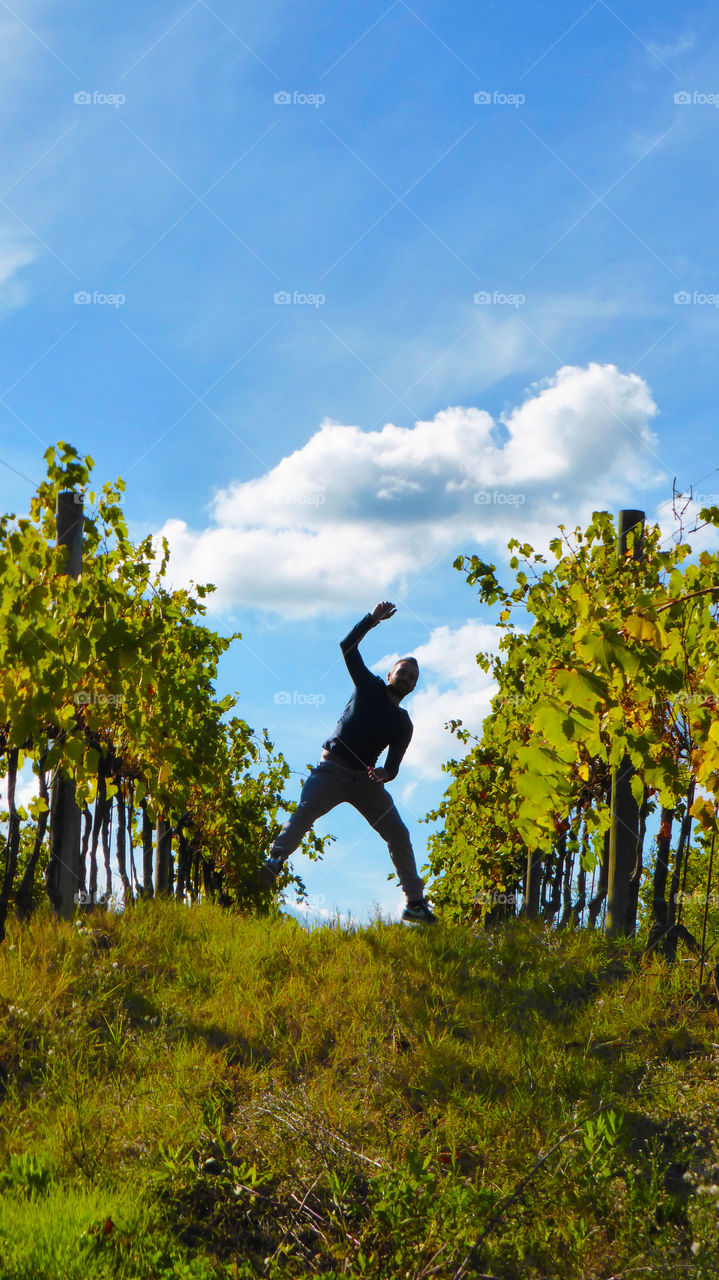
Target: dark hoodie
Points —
{"points": [[371, 721]]}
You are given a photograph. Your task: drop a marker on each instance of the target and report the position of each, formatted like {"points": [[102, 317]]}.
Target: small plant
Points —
{"points": [[600, 1137], [28, 1173]]}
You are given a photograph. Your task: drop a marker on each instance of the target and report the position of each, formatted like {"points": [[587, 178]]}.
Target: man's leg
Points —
{"points": [[320, 793], [378, 807]]}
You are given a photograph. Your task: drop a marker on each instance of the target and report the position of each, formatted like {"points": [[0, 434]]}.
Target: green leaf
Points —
{"points": [[608, 652], [74, 750], [637, 786], [581, 688]]}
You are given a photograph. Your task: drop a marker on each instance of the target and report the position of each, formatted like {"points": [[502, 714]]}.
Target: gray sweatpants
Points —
{"points": [[330, 784]]}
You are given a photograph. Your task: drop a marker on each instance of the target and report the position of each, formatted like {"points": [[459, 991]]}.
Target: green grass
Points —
{"points": [[380, 1102]]}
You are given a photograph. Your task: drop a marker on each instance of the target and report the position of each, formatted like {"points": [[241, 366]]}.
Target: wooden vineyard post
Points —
{"points": [[532, 883], [624, 814], [64, 872], [163, 854], [147, 853], [706, 910]]}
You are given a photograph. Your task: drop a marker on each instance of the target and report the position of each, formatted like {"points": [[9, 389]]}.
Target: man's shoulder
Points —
{"points": [[376, 680]]}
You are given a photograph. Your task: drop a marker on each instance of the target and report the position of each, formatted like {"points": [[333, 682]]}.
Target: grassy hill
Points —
{"points": [[195, 1094]]}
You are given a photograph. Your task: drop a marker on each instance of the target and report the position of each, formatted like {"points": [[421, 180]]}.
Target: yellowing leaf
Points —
{"points": [[643, 629], [704, 811]]}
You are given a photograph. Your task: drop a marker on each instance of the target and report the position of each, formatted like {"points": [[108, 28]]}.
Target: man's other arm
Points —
{"points": [[396, 752]]}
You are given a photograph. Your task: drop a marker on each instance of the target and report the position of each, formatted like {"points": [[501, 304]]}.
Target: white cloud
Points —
{"points": [[26, 787], [680, 528], [493, 346], [673, 48], [407, 793], [356, 513], [14, 254], [311, 917], [29, 57], [22, 48], [430, 711], [21, 52]]}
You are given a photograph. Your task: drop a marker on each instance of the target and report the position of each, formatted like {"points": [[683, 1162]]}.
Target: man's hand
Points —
{"points": [[377, 775], [383, 610]]}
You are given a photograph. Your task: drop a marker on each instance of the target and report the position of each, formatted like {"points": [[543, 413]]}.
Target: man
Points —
{"points": [[371, 721]]}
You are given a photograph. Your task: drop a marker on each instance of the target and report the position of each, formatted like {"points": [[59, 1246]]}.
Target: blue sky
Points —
{"points": [[481, 216]]}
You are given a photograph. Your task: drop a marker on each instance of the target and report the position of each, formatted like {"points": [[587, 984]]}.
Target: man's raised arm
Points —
{"points": [[350, 652]]}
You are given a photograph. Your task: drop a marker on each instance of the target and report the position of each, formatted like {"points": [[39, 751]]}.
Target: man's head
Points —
{"points": [[403, 676]]}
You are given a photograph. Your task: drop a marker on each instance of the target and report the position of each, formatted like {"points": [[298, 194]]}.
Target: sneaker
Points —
{"points": [[269, 872], [419, 912]]}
